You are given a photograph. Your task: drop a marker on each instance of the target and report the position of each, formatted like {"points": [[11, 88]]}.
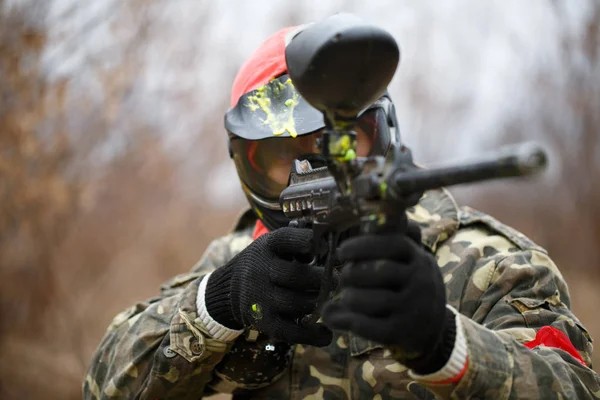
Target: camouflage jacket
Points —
{"points": [[504, 286]]}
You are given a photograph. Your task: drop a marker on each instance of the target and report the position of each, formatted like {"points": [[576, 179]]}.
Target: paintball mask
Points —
{"points": [[271, 125]]}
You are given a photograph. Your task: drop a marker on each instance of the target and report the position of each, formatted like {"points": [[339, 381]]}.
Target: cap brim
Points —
{"points": [[273, 110]]}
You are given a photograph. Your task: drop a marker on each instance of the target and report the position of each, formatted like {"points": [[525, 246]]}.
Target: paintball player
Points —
{"points": [[453, 305]]}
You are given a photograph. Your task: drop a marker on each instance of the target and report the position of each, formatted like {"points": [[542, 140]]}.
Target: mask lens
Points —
{"points": [[264, 165]]}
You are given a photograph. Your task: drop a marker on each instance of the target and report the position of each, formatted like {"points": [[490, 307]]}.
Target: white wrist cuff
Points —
{"points": [[215, 329], [457, 360]]}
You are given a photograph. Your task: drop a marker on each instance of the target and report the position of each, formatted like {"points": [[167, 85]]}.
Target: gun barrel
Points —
{"points": [[513, 161]]}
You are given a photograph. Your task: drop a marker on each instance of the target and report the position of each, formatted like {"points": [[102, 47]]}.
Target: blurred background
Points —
{"points": [[114, 173]]}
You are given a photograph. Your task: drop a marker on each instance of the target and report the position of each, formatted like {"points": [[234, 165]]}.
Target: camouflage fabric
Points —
{"points": [[504, 286]]}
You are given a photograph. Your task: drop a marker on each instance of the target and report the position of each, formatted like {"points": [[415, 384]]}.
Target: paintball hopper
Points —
{"points": [[341, 65]]}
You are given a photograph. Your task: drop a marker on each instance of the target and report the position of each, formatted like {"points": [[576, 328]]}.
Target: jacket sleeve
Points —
{"points": [[513, 290], [158, 348]]}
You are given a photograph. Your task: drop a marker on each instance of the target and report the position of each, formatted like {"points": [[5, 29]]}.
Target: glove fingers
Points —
{"points": [[289, 242], [373, 302], [314, 335], [376, 274], [296, 275], [388, 246], [336, 316]]}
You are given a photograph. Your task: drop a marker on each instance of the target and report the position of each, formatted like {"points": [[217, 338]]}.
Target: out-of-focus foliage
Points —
{"points": [[114, 173], [37, 198]]}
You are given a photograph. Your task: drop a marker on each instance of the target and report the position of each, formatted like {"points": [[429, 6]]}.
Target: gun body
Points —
{"points": [[383, 189]]}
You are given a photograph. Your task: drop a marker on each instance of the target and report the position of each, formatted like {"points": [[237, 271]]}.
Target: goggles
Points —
{"points": [[264, 164]]}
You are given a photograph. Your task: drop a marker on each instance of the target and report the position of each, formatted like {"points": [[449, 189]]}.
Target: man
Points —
{"points": [[454, 303]]}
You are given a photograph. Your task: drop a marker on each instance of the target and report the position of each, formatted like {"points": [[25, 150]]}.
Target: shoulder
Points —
{"points": [[443, 222], [476, 235], [475, 224], [486, 263], [473, 250], [223, 249]]}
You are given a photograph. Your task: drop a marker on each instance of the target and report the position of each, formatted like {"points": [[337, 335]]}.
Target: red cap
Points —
{"points": [[267, 62]]}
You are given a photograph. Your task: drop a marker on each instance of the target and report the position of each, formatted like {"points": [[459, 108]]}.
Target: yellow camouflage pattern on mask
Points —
{"points": [[279, 120]]}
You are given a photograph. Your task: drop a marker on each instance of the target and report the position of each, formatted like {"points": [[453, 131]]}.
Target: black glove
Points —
{"points": [[392, 292], [265, 288]]}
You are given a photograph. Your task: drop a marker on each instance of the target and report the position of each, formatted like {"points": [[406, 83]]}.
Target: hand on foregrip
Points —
{"points": [[392, 292], [268, 289]]}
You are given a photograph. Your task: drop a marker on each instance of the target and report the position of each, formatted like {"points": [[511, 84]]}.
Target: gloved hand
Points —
{"points": [[392, 292], [265, 288]]}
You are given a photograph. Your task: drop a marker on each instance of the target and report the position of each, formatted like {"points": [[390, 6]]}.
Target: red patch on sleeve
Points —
{"points": [[551, 337], [259, 230]]}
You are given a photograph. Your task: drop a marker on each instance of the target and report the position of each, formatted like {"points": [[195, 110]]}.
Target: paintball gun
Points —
{"points": [[342, 65]]}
